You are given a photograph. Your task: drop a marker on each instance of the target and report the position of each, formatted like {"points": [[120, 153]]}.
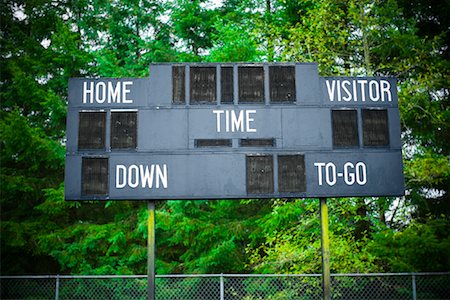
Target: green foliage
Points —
{"points": [[292, 240], [205, 236], [418, 248]]}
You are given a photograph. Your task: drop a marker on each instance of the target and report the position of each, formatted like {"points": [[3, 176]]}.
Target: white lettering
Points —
{"points": [[126, 91], [218, 113], [339, 91], [362, 82], [352, 173], [121, 173], [237, 124], [100, 92], [146, 176], [349, 177], [113, 92], [247, 113], [361, 174], [330, 174], [319, 171], [331, 89], [348, 97], [348, 90], [161, 175], [107, 92], [385, 89], [374, 90], [88, 91], [133, 172], [234, 121]]}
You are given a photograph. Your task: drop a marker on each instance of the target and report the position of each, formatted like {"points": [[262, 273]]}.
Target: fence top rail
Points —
{"points": [[217, 275]]}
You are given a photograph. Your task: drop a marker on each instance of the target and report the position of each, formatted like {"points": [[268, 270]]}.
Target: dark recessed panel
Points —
{"points": [[201, 143], [91, 130], [291, 173], [123, 130], [94, 179], [251, 84], [345, 128], [257, 142], [282, 83], [203, 85], [178, 85], [375, 128], [226, 82], [259, 174]]}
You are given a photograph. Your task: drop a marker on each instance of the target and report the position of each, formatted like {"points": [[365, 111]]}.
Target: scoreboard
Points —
{"points": [[232, 131]]}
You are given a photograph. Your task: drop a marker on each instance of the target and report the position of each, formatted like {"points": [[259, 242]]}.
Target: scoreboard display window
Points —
{"points": [[94, 176], [282, 84], [291, 173], [232, 131], [123, 130], [91, 130], [345, 128], [375, 127], [203, 85], [178, 84], [226, 84], [260, 174], [213, 143], [251, 84]]}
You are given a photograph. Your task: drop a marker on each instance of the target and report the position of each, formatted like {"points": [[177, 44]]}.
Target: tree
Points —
{"points": [[43, 43], [39, 53]]}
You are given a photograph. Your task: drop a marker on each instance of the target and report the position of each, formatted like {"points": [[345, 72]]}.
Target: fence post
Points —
{"points": [[57, 288], [414, 292], [222, 288]]}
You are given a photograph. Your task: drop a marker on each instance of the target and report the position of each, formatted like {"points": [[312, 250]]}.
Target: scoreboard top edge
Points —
{"points": [[194, 84]]}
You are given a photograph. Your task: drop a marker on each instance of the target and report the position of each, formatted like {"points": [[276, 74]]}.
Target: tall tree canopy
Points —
{"points": [[44, 43]]}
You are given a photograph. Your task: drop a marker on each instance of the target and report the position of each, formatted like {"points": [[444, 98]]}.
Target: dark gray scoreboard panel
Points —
{"points": [[210, 131]]}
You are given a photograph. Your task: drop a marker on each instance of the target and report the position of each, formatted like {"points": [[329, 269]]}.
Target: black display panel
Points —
{"points": [[291, 173], [375, 128], [259, 174], [257, 142], [123, 130], [345, 128], [226, 79], [200, 143], [178, 85], [282, 84], [251, 84], [94, 177], [91, 130], [202, 85]]}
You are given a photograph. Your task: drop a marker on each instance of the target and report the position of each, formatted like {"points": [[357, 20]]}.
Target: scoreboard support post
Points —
{"points": [[325, 242], [151, 249]]}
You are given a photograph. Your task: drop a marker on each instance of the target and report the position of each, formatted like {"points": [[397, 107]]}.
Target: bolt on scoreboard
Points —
{"points": [[232, 131]]}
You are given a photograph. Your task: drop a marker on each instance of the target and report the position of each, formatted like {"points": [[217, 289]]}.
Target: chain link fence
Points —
{"points": [[411, 286]]}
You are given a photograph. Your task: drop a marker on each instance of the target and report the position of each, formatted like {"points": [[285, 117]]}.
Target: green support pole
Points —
{"points": [[151, 251], [326, 276]]}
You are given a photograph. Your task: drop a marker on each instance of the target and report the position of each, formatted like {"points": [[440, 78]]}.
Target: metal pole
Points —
{"points": [[151, 250], [414, 292], [326, 276], [222, 291], [57, 288]]}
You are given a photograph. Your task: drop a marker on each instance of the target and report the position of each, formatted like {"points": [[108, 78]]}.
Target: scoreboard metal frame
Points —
{"points": [[232, 131]]}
